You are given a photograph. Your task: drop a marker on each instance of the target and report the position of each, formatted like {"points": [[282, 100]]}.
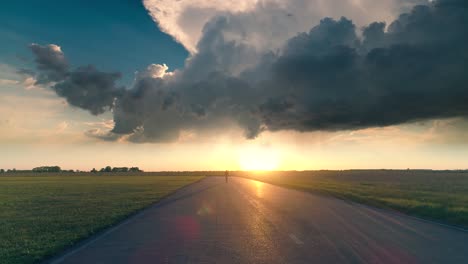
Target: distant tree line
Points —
{"points": [[37, 169], [57, 169], [13, 170], [117, 169], [47, 169]]}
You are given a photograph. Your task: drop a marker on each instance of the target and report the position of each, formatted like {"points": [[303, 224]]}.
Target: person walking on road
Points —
{"points": [[226, 175]]}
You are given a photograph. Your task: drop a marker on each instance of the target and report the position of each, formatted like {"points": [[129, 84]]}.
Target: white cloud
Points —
{"points": [[8, 82], [266, 23], [61, 127], [10, 76], [184, 20], [154, 71]]}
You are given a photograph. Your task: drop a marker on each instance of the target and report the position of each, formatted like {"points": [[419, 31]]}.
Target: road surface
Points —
{"points": [[247, 221]]}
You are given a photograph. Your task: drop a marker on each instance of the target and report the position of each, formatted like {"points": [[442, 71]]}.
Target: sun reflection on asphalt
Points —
{"points": [[259, 191], [260, 228]]}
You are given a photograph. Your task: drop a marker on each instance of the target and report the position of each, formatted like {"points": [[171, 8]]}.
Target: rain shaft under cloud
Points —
{"points": [[333, 77]]}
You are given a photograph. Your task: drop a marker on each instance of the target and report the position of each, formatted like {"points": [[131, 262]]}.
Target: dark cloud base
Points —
{"points": [[325, 79]]}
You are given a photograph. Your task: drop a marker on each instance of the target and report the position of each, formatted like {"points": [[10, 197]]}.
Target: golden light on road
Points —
{"points": [[259, 189], [257, 158]]}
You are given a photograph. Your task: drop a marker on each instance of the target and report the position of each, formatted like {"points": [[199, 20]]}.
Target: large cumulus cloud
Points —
{"points": [[266, 23], [334, 76]]}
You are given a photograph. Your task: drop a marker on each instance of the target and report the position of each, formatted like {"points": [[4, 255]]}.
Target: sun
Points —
{"points": [[258, 159]]}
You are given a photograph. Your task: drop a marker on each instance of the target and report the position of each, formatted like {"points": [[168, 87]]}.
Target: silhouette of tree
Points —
{"points": [[47, 169], [135, 169], [120, 169]]}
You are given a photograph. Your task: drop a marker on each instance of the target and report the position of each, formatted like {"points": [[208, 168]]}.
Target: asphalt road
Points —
{"points": [[247, 221]]}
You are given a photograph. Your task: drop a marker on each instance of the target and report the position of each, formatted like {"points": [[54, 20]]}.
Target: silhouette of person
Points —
{"points": [[226, 175]]}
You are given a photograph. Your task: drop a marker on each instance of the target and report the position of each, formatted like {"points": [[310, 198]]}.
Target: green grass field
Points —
{"points": [[440, 196], [42, 215]]}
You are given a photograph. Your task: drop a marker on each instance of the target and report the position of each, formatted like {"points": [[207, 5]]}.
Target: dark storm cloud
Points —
{"points": [[50, 62], [332, 80], [84, 87], [204, 96], [90, 89], [325, 79]]}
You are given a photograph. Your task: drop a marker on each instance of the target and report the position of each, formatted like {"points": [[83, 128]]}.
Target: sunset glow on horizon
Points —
{"points": [[282, 85]]}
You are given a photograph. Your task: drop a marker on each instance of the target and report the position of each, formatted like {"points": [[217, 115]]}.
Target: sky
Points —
{"points": [[238, 85]]}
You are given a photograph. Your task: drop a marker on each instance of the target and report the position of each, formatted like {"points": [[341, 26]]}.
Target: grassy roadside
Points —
{"points": [[434, 195], [41, 215]]}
